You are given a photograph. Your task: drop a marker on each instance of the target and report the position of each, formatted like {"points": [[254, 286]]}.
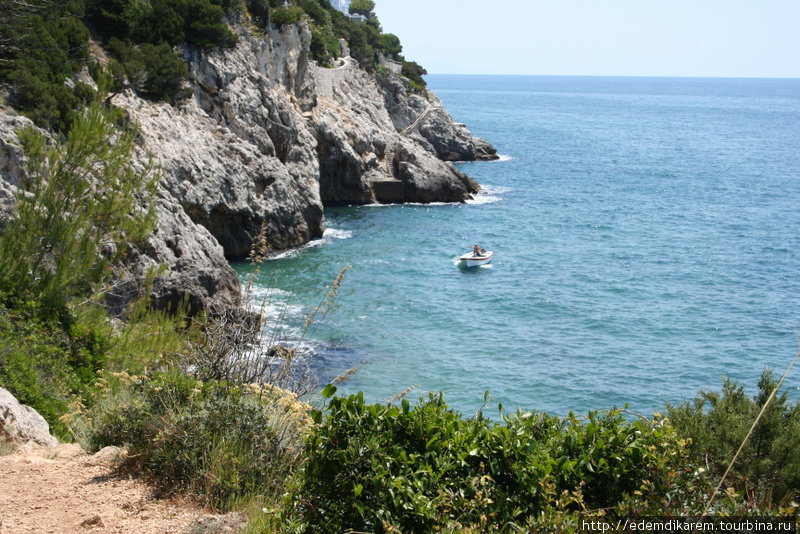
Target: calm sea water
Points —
{"points": [[647, 243]]}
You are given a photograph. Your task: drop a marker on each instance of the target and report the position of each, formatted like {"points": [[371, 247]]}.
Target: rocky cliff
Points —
{"points": [[266, 140]]}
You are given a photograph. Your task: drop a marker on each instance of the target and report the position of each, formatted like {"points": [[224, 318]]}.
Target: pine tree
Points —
{"points": [[83, 203]]}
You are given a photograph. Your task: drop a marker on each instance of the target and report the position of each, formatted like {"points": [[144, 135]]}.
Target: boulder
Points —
{"points": [[21, 424]]}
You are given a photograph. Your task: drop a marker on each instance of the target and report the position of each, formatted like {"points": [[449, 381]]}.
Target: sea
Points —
{"points": [[646, 239]]}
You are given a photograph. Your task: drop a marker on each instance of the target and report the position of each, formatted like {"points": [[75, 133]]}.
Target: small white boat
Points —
{"points": [[471, 259]]}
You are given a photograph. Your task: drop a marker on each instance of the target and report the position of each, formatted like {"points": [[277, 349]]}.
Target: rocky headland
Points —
{"points": [[267, 139]]}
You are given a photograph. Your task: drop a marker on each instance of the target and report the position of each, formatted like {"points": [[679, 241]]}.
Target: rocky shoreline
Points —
{"points": [[267, 140]]}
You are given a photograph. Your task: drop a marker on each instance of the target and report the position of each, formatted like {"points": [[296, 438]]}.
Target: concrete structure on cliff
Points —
{"points": [[341, 5], [344, 7]]}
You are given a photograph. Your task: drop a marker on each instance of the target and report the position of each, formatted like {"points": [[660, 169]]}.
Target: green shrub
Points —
{"points": [[152, 70], [362, 7], [390, 45], [214, 441], [414, 73], [767, 472], [43, 43], [49, 362], [174, 22], [81, 206], [425, 468], [259, 10], [286, 15]]}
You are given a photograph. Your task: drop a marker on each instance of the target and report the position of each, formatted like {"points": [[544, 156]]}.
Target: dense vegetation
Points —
{"points": [[43, 45], [74, 218], [365, 39], [717, 422], [46, 43]]}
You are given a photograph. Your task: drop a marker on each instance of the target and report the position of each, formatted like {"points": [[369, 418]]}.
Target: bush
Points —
{"points": [[362, 7], [768, 470], [43, 43], [212, 440], [425, 468], [152, 70], [390, 45], [174, 22], [286, 15], [34, 364], [414, 73]]}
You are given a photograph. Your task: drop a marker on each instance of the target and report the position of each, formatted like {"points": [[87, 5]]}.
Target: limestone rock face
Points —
{"points": [[368, 145], [266, 139], [21, 424], [12, 163], [190, 265], [239, 154], [192, 261], [429, 120]]}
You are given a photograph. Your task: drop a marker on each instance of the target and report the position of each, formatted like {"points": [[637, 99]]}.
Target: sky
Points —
{"points": [[729, 38]]}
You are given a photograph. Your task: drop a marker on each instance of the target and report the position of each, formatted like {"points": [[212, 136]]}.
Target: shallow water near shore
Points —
{"points": [[646, 234]]}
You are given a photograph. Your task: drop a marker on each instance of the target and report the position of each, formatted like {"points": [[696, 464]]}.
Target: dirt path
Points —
{"points": [[68, 491]]}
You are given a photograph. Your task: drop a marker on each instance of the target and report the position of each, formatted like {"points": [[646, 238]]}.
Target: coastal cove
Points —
{"points": [[645, 239]]}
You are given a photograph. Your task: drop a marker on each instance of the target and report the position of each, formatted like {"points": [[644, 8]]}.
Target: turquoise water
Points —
{"points": [[646, 234]]}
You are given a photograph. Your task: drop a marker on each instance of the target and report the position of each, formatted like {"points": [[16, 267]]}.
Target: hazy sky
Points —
{"points": [[759, 38]]}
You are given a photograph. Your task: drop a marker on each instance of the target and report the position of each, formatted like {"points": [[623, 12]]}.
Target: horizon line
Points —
{"points": [[618, 76]]}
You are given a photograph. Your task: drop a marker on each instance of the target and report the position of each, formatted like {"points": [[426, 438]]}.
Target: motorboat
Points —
{"points": [[476, 258]]}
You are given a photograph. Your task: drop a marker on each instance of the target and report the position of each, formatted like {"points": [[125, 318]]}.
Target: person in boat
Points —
{"points": [[476, 250]]}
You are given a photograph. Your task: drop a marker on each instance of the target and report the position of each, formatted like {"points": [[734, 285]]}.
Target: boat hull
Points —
{"points": [[471, 260]]}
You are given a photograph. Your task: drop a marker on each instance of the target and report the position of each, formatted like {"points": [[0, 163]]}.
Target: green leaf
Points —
{"points": [[328, 391]]}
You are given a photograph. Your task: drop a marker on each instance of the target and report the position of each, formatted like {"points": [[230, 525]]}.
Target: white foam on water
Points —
{"points": [[274, 305], [503, 157], [336, 233], [426, 204], [328, 236], [488, 194]]}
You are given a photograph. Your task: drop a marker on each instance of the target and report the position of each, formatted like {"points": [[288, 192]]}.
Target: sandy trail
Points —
{"points": [[67, 491]]}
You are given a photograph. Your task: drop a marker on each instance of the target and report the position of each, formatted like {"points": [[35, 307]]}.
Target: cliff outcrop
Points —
{"points": [[266, 140]]}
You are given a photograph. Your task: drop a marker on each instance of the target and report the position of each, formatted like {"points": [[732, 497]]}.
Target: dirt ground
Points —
{"points": [[67, 491]]}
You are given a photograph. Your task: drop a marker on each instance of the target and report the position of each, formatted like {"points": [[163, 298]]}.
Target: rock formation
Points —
{"points": [[21, 424], [264, 142]]}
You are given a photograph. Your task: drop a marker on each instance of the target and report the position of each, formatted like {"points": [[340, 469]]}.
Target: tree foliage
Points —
{"points": [[362, 7], [80, 207], [41, 44], [75, 215], [44, 43], [768, 469], [286, 15]]}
